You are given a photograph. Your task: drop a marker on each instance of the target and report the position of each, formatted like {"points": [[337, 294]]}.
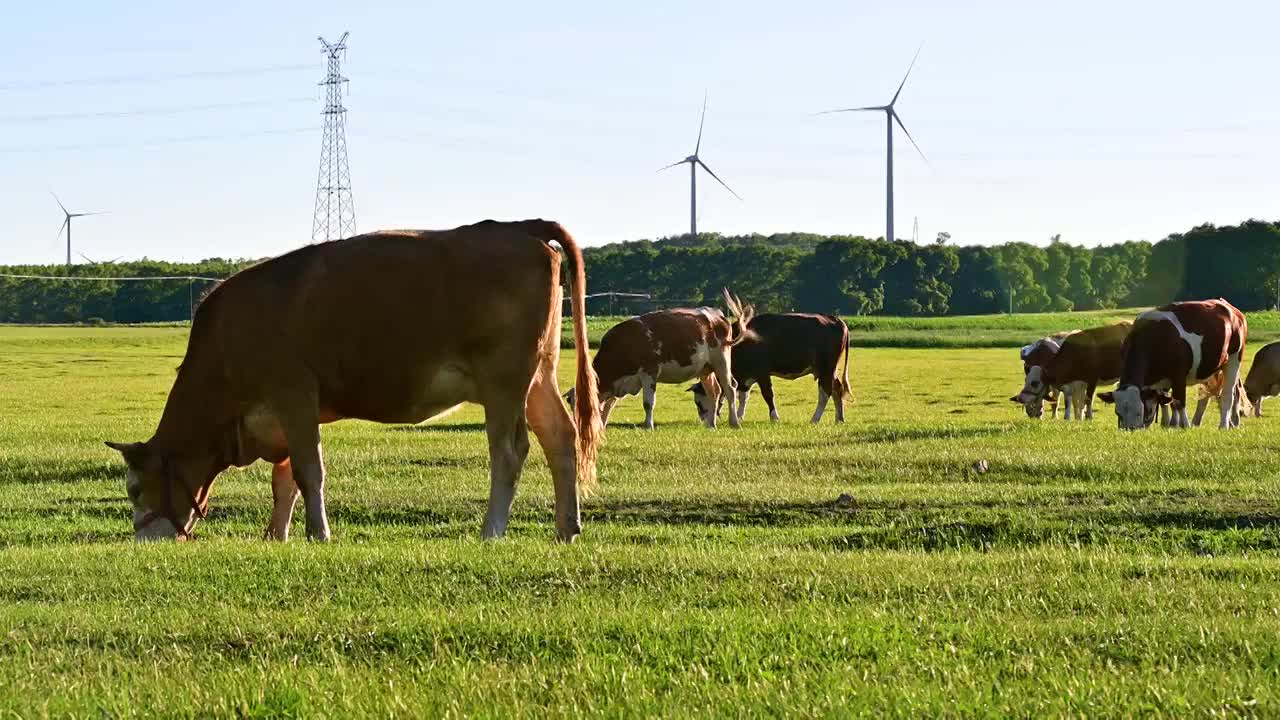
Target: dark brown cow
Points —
{"points": [[1175, 345], [1089, 358], [669, 346], [392, 327], [789, 346], [1263, 380]]}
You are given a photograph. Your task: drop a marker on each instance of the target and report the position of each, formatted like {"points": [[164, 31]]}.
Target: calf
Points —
{"points": [[1085, 360], [670, 346], [789, 346], [1038, 353], [1263, 380], [1171, 346]]}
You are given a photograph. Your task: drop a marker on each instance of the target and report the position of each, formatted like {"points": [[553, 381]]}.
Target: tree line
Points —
{"points": [[848, 275]]}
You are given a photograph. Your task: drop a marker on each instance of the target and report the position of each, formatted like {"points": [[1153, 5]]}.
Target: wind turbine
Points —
{"points": [[890, 116], [67, 223], [694, 161]]}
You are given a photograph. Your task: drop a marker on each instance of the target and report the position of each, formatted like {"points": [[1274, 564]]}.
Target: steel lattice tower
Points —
{"points": [[335, 215]]}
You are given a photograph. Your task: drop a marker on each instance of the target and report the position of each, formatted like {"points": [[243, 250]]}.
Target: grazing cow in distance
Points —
{"points": [[1088, 358], [790, 346], [1263, 380], [1175, 345], [1038, 353], [670, 346], [391, 327]]}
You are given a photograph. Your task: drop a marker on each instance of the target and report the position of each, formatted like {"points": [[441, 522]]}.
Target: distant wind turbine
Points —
{"points": [[66, 224], [890, 116], [91, 261], [694, 161]]}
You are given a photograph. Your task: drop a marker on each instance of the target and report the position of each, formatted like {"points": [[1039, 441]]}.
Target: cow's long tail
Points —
{"points": [[844, 372], [586, 395]]}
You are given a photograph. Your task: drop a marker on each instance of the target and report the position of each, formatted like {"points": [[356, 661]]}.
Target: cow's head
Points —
{"points": [[1136, 407], [166, 502], [702, 401], [1034, 390]]}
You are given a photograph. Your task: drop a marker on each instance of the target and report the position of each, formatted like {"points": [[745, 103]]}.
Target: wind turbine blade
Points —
{"points": [[904, 77], [701, 122], [100, 212], [913, 140], [61, 228], [668, 167], [55, 199], [873, 107], [88, 259], [717, 177]]}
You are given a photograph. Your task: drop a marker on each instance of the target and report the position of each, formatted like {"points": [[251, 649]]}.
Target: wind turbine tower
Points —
{"points": [[694, 161], [66, 223], [890, 117]]}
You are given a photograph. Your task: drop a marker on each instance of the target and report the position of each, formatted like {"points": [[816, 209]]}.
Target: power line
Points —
{"points": [[54, 117], [79, 147], [150, 77]]}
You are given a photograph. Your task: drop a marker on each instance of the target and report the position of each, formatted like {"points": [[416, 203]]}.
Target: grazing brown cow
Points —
{"points": [[670, 346], [1175, 345], [1039, 353], [392, 327], [788, 345], [1086, 359], [1263, 380]]}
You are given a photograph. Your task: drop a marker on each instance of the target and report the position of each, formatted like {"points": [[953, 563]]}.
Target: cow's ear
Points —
{"points": [[1107, 397], [135, 454], [694, 387], [1015, 399], [1162, 398]]}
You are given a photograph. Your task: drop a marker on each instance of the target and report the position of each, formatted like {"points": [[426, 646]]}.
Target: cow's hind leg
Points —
{"points": [[1229, 383], [285, 494], [720, 366], [554, 427], [823, 397], [504, 422], [744, 393]]}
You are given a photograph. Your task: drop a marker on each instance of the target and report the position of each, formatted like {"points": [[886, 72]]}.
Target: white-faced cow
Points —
{"points": [[1085, 359], [670, 346], [392, 327], [789, 346], [1263, 380], [1038, 353], [1175, 345]]}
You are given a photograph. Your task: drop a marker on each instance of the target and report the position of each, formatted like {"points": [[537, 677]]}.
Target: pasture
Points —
{"points": [[1088, 572]]}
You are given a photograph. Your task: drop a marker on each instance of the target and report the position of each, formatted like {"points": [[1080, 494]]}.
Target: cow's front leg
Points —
{"points": [[1201, 405], [728, 386], [284, 493], [744, 392], [649, 395], [299, 416], [1179, 392]]}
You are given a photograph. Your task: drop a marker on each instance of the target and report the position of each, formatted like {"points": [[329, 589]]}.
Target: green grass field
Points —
{"points": [[1088, 573]]}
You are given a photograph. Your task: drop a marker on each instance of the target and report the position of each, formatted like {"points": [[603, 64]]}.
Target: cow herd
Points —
{"points": [[1151, 361], [402, 326]]}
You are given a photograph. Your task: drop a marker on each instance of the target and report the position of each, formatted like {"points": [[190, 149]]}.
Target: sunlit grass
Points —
{"points": [[1087, 572]]}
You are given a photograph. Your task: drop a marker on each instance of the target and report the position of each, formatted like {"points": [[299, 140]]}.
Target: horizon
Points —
{"points": [[1108, 123]]}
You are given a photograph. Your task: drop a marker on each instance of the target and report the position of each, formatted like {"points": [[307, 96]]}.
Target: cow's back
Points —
{"points": [[787, 344], [374, 317], [1096, 354]]}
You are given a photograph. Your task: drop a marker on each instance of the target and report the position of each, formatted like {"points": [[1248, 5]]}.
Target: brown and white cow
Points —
{"points": [[1175, 345], [670, 346], [392, 327], [1085, 360], [1039, 353], [1263, 380], [787, 345]]}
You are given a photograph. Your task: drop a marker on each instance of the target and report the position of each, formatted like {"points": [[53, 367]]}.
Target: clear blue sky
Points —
{"points": [[197, 124]]}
